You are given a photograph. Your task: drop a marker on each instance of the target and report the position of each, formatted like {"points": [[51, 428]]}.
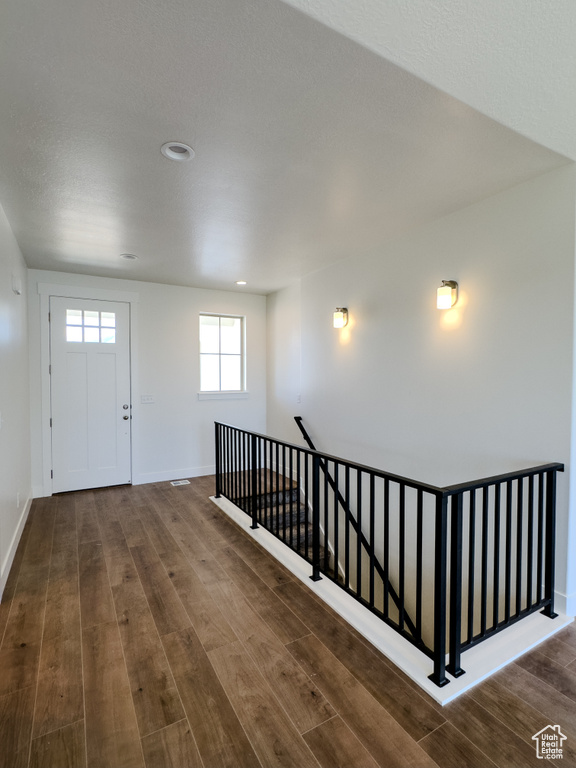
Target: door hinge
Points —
{"points": [[52, 474], [50, 423], [50, 370], [49, 317]]}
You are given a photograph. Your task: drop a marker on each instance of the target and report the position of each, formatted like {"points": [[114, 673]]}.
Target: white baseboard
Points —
{"points": [[172, 474], [565, 604], [9, 559], [479, 662]]}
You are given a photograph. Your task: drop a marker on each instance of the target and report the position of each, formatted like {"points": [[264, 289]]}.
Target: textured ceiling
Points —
{"points": [[514, 61], [309, 147]]}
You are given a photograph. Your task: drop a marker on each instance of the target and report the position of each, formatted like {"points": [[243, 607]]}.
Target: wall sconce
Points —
{"points": [[447, 294], [340, 317]]}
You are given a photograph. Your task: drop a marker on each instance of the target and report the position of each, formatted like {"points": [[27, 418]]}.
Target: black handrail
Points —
{"points": [[364, 541], [475, 557]]}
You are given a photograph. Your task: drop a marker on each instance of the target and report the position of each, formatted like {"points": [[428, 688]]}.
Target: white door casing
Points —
{"points": [[90, 393]]}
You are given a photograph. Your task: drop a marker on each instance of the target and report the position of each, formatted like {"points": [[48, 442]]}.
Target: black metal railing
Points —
{"points": [[351, 519], [468, 560]]}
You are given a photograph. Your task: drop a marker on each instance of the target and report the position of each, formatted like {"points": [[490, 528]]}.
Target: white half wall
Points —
{"points": [[15, 478], [173, 436], [447, 397]]}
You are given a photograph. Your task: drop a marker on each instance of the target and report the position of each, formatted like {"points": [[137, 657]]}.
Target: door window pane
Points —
{"points": [[91, 318], [73, 317], [73, 333], [90, 326], [108, 319]]}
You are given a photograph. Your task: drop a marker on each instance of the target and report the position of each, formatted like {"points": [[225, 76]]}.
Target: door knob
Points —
{"points": [[125, 406], [126, 417]]}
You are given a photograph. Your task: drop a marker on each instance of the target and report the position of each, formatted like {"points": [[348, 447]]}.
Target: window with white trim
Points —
{"points": [[221, 353]]}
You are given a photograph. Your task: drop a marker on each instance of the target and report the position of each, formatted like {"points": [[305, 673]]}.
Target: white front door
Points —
{"points": [[90, 393]]}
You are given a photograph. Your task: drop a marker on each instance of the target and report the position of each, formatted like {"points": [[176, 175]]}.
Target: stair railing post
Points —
{"points": [[218, 460], [315, 518], [456, 587], [440, 546], [550, 546], [254, 477]]}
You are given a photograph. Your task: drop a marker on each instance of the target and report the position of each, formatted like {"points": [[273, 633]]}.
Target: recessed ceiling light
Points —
{"points": [[128, 256], [241, 282], [175, 150]]}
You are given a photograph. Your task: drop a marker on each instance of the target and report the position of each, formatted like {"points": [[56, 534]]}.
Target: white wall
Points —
{"points": [[15, 481], [172, 437], [445, 397], [284, 347]]}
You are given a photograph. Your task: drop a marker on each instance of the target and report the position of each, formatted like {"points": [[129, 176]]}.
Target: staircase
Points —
{"points": [[282, 512]]}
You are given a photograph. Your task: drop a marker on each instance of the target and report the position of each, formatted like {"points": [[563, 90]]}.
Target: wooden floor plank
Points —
{"points": [[107, 513], [180, 500], [205, 616], [549, 672], [59, 697], [12, 579], [491, 735], [64, 748], [568, 635], [172, 747], [95, 596], [165, 606], [189, 586], [539, 694], [154, 692], [134, 531], [304, 703], [20, 667], [268, 569], [560, 652], [449, 748], [410, 709], [377, 730], [210, 624], [161, 538], [25, 620], [87, 519], [20, 649], [273, 736], [199, 556], [262, 599], [219, 736], [518, 715], [16, 715], [112, 737], [335, 746]]}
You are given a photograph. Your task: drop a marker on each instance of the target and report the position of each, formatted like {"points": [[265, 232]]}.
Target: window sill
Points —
{"points": [[223, 395]]}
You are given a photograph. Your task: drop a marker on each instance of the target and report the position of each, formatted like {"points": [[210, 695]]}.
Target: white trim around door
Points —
{"points": [[45, 291]]}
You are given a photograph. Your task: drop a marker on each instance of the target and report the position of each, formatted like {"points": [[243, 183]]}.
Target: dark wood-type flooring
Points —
{"points": [[140, 627]]}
